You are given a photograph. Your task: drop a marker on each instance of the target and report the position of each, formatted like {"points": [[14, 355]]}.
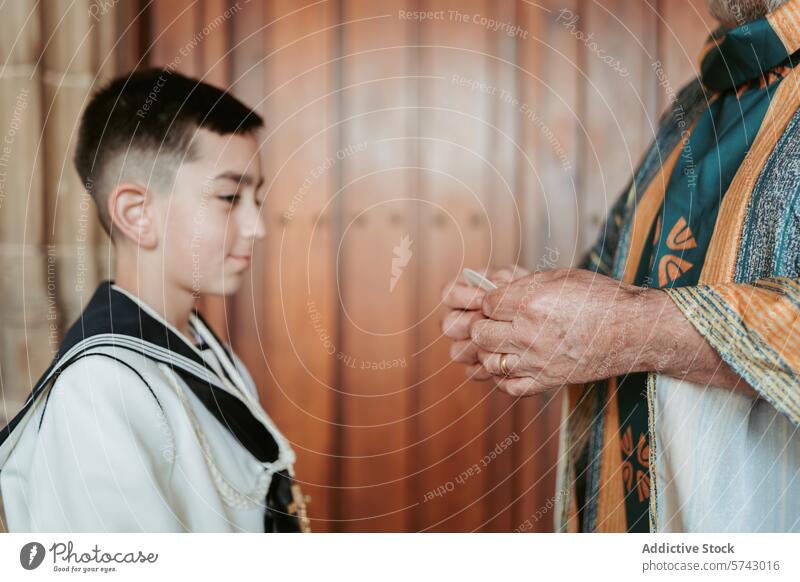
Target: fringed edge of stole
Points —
{"points": [[750, 326]]}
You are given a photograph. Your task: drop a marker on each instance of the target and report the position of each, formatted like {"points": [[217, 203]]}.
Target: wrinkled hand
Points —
{"points": [[465, 302], [561, 327]]}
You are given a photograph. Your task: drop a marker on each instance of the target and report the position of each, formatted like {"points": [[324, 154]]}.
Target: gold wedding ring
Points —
{"points": [[504, 365]]}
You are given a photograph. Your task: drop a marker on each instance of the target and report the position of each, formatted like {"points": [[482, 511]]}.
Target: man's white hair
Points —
{"points": [[733, 13]]}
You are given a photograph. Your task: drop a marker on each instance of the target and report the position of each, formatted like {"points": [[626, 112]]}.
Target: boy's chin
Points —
{"points": [[227, 286]]}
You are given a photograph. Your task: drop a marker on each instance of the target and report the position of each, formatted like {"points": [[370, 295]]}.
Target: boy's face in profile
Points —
{"points": [[211, 220]]}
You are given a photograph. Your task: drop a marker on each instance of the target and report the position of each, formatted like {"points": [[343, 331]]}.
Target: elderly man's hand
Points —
{"points": [[564, 326], [465, 301]]}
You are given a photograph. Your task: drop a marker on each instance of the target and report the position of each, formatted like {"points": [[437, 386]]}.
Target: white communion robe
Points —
{"points": [[725, 462], [120, 443]]}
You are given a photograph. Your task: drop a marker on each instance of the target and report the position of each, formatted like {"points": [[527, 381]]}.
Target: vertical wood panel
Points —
{"points": [[131, 24], [454, 228], [620, 102], [173, 25], [27, 339], [301, 310], [505, 233], [683, 27], [66, 76], [379, 251], [218, 17], [70, 61], [550, 81]]}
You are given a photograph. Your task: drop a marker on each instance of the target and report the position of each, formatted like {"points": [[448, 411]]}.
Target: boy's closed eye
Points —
{"points": [[229, 198], [234, 198]]}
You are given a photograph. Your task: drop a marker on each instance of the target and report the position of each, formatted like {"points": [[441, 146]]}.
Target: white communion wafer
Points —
{"points": [[475, 278]]}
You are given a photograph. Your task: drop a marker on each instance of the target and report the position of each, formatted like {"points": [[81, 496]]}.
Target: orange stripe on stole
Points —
{"points": [[768, 313], [785, 21], [724, 246], [647, 208], [611, 515]]}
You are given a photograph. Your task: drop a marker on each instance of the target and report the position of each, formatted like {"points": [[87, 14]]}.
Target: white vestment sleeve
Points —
{"points": [[103, 457]]}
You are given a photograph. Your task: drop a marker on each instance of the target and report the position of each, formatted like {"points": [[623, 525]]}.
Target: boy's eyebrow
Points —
{"points": [[243, 179]]}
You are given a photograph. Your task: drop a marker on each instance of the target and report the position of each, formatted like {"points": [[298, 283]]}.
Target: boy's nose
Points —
{"points": [[254, 227]]}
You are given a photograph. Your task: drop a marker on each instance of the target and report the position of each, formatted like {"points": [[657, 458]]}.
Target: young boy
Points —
{"points": [[145, 420]]}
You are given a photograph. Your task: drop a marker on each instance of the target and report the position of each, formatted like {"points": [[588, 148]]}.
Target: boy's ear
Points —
{"points": [[130, 210]]}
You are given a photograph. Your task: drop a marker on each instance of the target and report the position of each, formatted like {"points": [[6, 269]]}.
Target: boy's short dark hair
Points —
{"points": [[147, 119]]}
